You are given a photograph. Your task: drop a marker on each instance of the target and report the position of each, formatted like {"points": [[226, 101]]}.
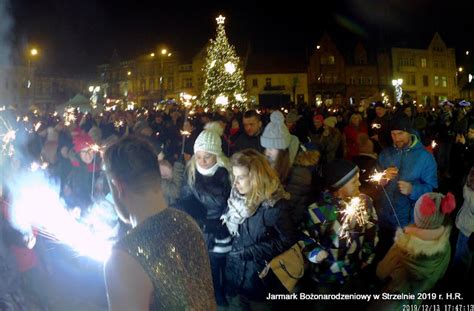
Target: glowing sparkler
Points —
{"points": [[376, 125], [69, 116], [37, 126], [377, 178], [95, 149], [36, 166], [119, 124], [434, 144], [353, 214], [36, 205], [7, 138]]}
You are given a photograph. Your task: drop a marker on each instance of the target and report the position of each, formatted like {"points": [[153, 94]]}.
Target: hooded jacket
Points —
{"points": [[415, 264], [416, 166]]}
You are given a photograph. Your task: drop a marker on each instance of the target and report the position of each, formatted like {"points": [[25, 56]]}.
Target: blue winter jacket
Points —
{"points": [[415, 165]]}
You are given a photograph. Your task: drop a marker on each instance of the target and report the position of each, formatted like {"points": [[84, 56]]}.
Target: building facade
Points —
{"points": [[429, 75]]}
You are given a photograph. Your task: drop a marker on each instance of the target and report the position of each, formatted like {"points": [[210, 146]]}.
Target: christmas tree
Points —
{"points": [[224, 85]]}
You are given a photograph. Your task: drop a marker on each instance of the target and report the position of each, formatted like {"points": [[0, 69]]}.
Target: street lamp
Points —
{"points": [[164, 53], [32, 54]]}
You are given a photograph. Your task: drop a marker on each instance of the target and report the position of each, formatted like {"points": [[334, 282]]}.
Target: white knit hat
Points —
{"points": [[276, 134], [209, 140]]}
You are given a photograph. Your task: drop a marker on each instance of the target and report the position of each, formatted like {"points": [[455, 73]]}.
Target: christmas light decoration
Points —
{"points": [[224, 85]]}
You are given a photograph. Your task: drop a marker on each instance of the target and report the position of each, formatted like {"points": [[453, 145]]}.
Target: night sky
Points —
{"points": [[76, 35]]}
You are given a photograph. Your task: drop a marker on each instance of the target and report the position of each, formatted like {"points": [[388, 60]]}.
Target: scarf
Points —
{"points": [[239, 209], [207, 172]]}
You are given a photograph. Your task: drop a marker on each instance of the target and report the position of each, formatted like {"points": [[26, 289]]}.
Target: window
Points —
{"points": [[187, 82], [423, 63], [268, 82], [425, 80], [436, 81], [353, 80], [361, 80], [436, 64], [254, 82], [444, 82], [170, 83], [369, 80], [327, 60], [412, 80], [411, 61], [152, 84]]}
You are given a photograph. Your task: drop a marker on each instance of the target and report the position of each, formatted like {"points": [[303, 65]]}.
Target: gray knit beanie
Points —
{"points": [[276, 134], [431, 209]]}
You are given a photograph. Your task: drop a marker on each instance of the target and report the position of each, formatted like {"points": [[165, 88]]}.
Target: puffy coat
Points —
{"points": [[415, 264], [416, 166], [206, 201], [261, 237]]}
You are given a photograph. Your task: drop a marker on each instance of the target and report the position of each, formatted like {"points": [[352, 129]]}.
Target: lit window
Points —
{"points": [[444, 82], [423, 63], [436, 80]]}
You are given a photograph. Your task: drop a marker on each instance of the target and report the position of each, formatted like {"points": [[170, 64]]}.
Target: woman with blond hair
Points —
{"points": [[259, 218], [204, 197]]}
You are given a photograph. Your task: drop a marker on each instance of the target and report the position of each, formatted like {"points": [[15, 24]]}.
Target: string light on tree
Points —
{"points": [[224, 84], [229, 67]]}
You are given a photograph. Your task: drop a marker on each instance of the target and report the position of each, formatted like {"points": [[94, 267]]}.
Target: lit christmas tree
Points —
{"points": [[224, 85]]}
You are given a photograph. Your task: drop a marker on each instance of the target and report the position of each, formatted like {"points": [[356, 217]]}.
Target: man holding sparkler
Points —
{"points": [[409, 172], [342, 226], [162, 263]]}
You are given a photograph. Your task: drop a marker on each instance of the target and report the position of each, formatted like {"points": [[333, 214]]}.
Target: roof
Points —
{"points": [[268, 64]]}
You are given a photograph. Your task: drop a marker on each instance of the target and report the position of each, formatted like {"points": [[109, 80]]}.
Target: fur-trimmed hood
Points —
{"points": [[433, 242]]}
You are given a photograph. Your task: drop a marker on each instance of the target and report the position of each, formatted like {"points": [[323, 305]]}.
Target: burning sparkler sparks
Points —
{"points": [[377, 177], [434, 144], [37, 206], [37, 126], [354, 213], [36, 166], [376, 125], [8, 137], [119, 124]]}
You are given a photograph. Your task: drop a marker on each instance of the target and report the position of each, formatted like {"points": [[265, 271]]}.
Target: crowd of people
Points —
{"points": [[211, 198]]}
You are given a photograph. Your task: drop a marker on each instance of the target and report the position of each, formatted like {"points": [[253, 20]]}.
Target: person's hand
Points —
{"points": [[391, 173], [29, 240], [405, 187], [375, 138], [462, 139], [321, 256], [166, 170]]}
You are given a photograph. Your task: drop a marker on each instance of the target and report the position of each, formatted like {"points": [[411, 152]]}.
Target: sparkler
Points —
{"points": [[119, 124], [69, 116], [377, 178], [7, 138], [434, 144], [36, 205], [353, 213], [36, 166], [376, 125], [95, 149], [185, 135], [37, 126]]}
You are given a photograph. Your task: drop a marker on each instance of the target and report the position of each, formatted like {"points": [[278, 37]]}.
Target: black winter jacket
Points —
{"points": [[206, 201], [263, 236]]}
